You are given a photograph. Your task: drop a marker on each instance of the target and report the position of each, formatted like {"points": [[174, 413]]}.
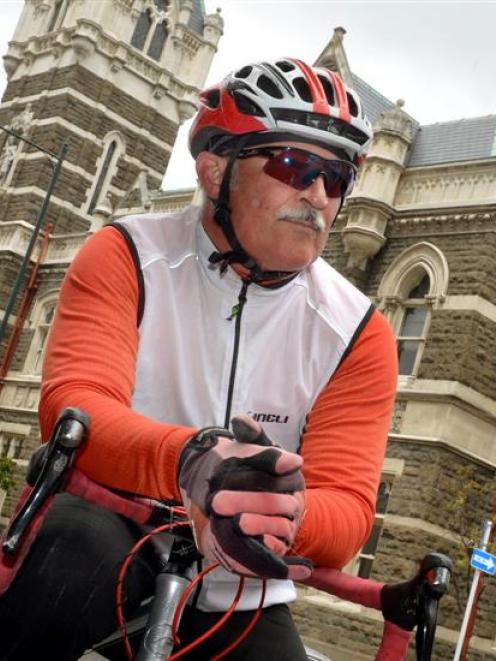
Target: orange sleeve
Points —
{"points": [[343, 448], [90, 364]]}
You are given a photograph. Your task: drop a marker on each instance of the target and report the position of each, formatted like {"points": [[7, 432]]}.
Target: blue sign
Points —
{"points": [[483, 561]]}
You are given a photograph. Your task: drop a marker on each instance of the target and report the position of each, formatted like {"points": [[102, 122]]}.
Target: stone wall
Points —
{"points": [[453, 494], [27, 207], [100, 91], [347, 635], [9, 268], [461, 346]]}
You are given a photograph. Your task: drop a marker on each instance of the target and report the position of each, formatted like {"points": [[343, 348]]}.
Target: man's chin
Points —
{"points": [[292, 266]]}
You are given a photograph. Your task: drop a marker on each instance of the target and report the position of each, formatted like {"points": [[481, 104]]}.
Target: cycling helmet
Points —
{"points": [[272, 102], [281, 101]]}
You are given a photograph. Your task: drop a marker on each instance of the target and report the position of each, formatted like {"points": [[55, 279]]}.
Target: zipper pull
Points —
{"points": [[234, 312], [238, 307]]}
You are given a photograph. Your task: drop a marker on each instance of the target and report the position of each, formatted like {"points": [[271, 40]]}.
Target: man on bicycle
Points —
{"points": [[171, 324]]}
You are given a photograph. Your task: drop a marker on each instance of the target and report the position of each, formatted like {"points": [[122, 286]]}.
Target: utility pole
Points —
{"points": [[475, 590], [56, 161], [479, 590]]}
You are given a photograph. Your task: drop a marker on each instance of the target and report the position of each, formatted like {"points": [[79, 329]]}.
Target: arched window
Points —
{"points": [[158, 41], [151, 31], [412, 329], [414, 284], [58, 14], [102, 176], [113, 147], [141, 30], [41, 320]]}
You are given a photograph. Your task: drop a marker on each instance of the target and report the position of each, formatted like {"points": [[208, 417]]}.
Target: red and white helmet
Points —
{"points": [[278, 102]]}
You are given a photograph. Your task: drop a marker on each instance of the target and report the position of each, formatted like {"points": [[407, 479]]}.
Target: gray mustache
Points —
{"points": [[305, 215]]}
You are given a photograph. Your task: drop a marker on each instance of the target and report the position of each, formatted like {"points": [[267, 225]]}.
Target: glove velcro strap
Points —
{"points": [[203, 441]]}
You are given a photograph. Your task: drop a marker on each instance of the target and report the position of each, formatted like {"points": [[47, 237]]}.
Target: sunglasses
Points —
{"points": [[299, 169]]}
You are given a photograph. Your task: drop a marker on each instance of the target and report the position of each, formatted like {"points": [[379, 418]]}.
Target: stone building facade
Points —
{"points": [[114, 81], [418, 236]]}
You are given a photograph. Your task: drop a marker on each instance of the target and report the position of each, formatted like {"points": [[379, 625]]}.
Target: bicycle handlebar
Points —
{"points": [[403, 605]]}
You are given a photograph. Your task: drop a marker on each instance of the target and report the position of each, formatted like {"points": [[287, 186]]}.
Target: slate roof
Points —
{"points": [[374, 103], [445, 142], [459, 140]]}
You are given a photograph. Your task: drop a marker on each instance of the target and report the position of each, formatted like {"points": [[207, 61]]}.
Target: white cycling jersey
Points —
{"points": [[288, 342]]}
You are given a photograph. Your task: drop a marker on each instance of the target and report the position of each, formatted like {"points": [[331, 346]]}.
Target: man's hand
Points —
{"points": [[245, 497]]}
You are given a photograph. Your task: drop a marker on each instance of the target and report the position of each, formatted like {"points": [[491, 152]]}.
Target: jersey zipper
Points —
{"points": [[236, 313]]}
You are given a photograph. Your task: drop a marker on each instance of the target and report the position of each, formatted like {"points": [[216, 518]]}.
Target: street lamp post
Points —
{"points": [[56, 161]]}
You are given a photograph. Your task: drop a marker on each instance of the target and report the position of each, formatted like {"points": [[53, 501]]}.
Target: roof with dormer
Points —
{"points": [[445, 142]]}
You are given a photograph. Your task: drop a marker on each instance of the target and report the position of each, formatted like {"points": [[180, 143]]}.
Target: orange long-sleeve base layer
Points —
{"points": [[90, 363]]}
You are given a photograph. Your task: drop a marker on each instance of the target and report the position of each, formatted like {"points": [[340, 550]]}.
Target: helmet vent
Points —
{"points": [[285, 66], [212, 98], [329, 91], [269, 87], [244, 72], [352, 105], [303, 90], [246, 105]]}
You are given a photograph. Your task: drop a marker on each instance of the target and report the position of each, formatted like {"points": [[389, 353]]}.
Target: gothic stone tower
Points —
{"points": [[113, 79]]}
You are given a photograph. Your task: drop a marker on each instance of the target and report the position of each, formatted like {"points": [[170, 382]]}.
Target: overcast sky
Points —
{"points": [[438, 56]]}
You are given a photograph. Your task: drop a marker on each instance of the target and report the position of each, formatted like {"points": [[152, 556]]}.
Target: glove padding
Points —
{"points": [[245, 497]]}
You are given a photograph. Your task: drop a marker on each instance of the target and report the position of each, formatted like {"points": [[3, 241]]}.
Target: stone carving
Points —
{"points": [[185, 11], [334, 56], [442, 186], [397, 121], [213, 28], [22, 122], [361, 244], [6, 159], [443, 224], [41, 8]]}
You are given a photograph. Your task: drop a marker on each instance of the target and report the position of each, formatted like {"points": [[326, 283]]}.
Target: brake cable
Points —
{"points": [[121, 576], [180, 607]]}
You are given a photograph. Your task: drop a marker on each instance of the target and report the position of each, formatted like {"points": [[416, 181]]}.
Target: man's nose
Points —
{"points": [[316, 194]]}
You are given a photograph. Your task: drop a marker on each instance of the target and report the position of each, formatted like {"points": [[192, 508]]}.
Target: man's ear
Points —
{"points": [[210, 170]]}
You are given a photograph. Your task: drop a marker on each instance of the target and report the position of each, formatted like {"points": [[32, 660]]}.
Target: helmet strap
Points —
{"points": [[222, 216]]}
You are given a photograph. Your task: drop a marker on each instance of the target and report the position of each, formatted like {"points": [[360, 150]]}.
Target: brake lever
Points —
{"points": [[52, 466], [435, 574]]}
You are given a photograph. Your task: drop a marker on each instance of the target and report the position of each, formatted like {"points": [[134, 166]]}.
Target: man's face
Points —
{"points": [[282, 228]]}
